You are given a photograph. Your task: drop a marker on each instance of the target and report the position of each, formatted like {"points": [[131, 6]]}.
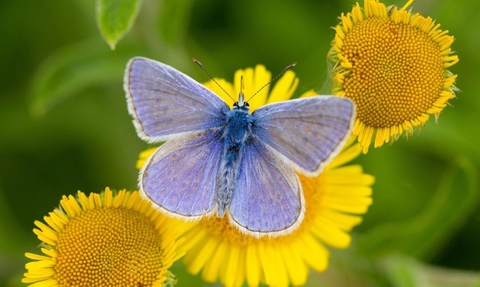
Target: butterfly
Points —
{"points": [[218, 161]]}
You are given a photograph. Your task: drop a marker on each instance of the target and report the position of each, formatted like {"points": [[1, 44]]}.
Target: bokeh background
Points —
{"points": [[64, 125]]}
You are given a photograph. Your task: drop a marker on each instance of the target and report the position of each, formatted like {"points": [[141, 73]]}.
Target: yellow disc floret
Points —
{"points": [[393, 65]]}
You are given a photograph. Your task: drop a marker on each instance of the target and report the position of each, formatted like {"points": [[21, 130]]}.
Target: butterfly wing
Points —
{"points": [[268, 198], [165, 102], [309, 132], [181, 176]]}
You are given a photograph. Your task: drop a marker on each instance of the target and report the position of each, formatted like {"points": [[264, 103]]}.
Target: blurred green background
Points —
{"points": [[65, 127]]}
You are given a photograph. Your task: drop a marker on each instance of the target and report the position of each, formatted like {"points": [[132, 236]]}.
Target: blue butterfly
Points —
{"points": [[229, 162]]}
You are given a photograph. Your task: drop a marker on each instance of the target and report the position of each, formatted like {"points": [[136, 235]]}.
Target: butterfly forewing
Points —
{"points": [[309, 132], [165, 102], [181, 176], [268, 196]]}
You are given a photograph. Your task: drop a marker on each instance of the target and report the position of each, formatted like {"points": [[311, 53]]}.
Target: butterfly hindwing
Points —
{"points": [[309, 132], [181, 176], [268, 196], [165, 102]]}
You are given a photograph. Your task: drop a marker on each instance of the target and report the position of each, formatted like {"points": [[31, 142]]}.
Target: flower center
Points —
{"points": [[397, 71], [109, 247]]}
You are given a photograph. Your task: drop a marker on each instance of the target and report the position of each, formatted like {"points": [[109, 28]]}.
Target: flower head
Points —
{"points": [[334, 202], [393, 65], [103, 240]]}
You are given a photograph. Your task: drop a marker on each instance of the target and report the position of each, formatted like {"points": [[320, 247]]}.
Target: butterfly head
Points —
{"points": [[241, 104]]}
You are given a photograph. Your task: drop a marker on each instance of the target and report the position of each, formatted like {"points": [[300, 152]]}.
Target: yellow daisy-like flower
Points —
{"points": [[104, 239], [393, 65], [334, 201]]}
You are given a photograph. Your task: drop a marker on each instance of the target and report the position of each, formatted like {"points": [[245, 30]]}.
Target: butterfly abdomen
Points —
{"points": [[235, 134]]}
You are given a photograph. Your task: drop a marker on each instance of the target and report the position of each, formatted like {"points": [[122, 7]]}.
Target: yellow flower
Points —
{"points": [[393, 65], [334, 201], [103, 240]]}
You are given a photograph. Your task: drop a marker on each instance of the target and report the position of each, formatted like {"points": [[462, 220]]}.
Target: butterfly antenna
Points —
{"points": [[276, 77], [211, 78]]}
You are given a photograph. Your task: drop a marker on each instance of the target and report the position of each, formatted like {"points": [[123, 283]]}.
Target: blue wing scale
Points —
{"points": [[166, 102], [181, 176], [268, 198], [308, 132]]}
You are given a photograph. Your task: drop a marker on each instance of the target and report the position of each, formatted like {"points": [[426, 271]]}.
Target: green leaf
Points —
{"points": [[71, 70], [404, 271], [115, 18], [454, 201]]}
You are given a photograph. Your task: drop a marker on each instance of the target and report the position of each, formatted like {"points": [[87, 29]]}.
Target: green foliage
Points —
{"points": [[456, 198], [65, 124], [115, 18], [73, 69]]}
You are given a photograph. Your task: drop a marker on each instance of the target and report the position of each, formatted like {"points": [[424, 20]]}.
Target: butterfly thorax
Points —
{"points": [[236, 132]]}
